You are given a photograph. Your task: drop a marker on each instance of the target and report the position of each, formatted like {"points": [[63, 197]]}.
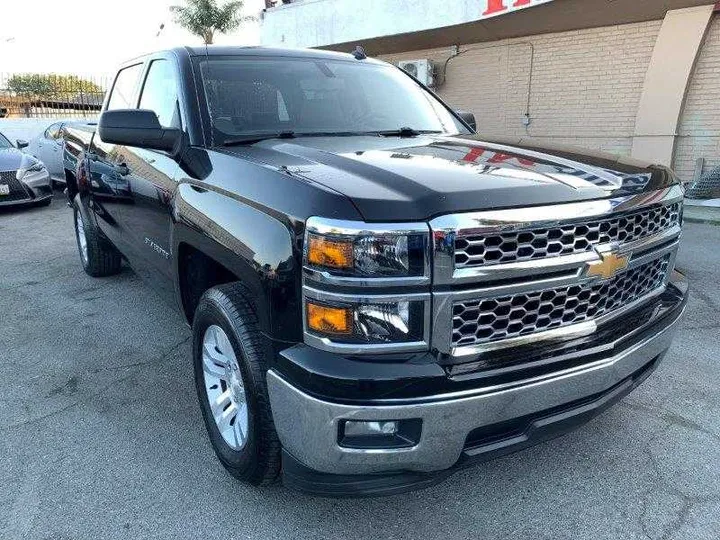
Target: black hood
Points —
{"points": [[12, 159], [397, 179]]}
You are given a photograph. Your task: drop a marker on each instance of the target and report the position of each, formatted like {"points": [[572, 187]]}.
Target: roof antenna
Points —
{"points": [[359, 53]]}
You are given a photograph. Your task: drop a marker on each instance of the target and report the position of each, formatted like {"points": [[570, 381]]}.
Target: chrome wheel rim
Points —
{"points": [[225, 387], [82, 240]]}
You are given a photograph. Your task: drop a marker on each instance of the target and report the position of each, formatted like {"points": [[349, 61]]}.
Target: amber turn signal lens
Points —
{"points": [[331, 253], [329, 320]]}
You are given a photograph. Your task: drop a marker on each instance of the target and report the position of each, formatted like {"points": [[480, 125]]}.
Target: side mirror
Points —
{"points": [[137, 127], [20, 143], [468, 118]]}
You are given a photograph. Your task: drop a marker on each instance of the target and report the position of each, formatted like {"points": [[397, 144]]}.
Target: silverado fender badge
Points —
{"points": [[609, 266], [160, 251]]}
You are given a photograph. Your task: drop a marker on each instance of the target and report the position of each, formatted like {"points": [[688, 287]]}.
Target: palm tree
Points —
{"points": [[205, 17]]}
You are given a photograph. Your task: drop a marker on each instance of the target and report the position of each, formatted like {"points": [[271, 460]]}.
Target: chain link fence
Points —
{"points": [[40, 95]]}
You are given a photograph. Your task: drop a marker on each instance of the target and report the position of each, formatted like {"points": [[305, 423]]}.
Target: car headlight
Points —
{"points": [[361, 257], [366, 321], [353, 249], [29, 168]]}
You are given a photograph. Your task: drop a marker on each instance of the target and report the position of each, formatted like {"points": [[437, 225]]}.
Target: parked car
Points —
{"points": [[23, 178], [48, 148], [378, 296]]}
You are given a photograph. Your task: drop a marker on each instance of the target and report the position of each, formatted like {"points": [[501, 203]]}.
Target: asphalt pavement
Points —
{"points": [[101, 435]]}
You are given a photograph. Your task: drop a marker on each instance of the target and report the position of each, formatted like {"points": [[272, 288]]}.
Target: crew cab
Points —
{"points": [[378, 295]]}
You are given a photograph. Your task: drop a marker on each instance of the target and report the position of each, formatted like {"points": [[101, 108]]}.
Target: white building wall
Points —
{"points": [[316, 23]]}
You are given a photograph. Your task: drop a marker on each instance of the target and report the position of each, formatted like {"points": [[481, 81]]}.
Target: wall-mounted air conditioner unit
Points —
{"points": [[422, 70]]}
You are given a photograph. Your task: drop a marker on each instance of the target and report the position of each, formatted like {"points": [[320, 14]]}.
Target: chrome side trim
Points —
{"points": [[344, 228], [326, 344]]}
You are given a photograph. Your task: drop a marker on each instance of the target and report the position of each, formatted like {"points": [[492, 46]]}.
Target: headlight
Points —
{"points": [[353, 249], [339, 322], [28, 168], [400, 321], [367, 260]]}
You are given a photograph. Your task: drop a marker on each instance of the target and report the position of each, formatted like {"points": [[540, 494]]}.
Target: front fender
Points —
{"points": [[254, 246]]}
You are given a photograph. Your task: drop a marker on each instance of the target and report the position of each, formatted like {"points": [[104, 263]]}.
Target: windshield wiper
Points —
{"points": [[251, 139], [406, 132]]}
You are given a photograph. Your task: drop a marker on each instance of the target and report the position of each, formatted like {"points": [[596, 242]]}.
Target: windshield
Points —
{"points": [[4, 142], [252, 95]]}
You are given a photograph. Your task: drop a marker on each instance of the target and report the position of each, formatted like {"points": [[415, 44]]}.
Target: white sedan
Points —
{"points": [[48, 148]]}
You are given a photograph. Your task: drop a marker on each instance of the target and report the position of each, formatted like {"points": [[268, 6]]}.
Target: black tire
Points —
{"points": [[44, 202], [102, 258], [258, 461]]}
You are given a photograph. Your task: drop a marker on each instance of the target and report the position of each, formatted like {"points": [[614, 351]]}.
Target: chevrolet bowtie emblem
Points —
{"points": [[608, 267]]}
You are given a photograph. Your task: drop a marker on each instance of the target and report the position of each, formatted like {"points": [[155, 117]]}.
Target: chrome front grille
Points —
{"points": [[479, 249], [491, 319], [502, 278]]}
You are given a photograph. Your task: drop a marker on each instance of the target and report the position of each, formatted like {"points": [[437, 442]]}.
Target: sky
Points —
{"points": [[94, 36]]}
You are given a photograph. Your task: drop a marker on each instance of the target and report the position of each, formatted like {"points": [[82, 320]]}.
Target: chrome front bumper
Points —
{"points": [[308, 427]]}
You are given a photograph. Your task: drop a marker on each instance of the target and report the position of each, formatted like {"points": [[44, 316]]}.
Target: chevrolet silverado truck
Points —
{"points": [[378, 295]]}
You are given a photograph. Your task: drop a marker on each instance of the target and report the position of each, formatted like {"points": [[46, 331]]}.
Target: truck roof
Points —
{"points": [[225, 50]]}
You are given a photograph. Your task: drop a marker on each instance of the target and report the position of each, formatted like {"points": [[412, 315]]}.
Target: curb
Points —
{"points": [[701, 221], [701, 214], [706, 211]]}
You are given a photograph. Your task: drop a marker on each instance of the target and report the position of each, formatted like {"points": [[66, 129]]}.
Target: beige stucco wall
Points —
{"points": [[699, 130], [586, 84]]}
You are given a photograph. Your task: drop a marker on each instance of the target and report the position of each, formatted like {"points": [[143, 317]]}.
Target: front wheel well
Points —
{"points": [[197, 272]]}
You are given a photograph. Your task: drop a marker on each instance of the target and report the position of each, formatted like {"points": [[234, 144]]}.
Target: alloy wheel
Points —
{"points": [[225, 387]]}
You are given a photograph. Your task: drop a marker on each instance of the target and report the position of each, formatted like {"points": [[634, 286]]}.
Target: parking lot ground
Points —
{"points": [[101, 435]]}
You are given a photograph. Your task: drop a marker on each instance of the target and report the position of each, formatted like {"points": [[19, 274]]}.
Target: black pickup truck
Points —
{"points": [[378, 296]]}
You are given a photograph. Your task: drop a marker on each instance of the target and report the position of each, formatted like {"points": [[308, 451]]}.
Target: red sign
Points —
{"points": [[496, 7]]}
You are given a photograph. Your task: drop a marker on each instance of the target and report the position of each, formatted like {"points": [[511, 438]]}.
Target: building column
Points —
{"points": [[666, 82]]}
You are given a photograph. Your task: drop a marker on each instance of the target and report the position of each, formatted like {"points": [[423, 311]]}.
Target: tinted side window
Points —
{"points": [[160, 93], [123, 90]]}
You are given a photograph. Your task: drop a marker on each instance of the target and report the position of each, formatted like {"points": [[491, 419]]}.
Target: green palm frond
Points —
{"points": [[205, 17]]}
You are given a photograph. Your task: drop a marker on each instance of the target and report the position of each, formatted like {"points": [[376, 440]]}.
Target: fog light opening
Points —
{"points": [[379, 433]]}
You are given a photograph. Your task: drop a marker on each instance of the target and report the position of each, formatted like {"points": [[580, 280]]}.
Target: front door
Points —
{"points": [[146, 181], [107, 183]]}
